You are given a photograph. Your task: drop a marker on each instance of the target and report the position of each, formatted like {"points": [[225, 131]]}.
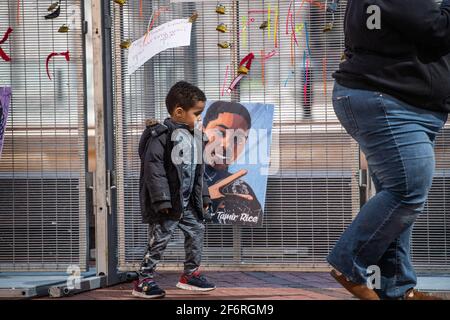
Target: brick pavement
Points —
{"points": [[238, 286]]}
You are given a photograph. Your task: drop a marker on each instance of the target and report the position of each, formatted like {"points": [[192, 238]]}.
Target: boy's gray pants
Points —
{"points": [[160, 235]]}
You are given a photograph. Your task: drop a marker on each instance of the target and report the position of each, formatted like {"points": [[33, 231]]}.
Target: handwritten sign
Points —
{"points": [[176, 33]]}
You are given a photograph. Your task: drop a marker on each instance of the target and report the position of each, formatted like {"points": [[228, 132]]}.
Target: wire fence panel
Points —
{"points": [[42, 167]]}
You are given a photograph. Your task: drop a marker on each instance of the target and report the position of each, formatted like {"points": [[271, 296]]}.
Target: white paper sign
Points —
{"points": [[176, 33]]}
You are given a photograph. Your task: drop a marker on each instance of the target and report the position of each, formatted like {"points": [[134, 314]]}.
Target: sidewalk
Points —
{"points": [[238, 286]]}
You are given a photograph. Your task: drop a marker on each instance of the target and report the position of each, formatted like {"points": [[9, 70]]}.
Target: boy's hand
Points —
{"points": [[207, 213], [163, 207], [165, 211], [216, 189]]}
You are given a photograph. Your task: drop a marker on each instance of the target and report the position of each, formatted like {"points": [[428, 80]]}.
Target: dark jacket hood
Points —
{"points": [[153, 127]]}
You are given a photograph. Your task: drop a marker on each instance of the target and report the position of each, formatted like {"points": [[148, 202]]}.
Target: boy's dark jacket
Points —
{"points": [[407, 58], [160, 178]]}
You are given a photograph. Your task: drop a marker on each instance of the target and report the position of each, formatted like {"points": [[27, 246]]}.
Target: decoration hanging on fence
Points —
{"points": [[54, 54], [63, 29], [264, 25], [307, 38], [290, 23], [194, 17], [331, 8], [18, 11], [5, 99], [246, 23], [225, 80], [120, 2], [264, 58], [53, 6], [324, 76], [328, 27], [271, 54], [263, 67], [155, 15], [235, 83], [220, 9], [125, 44], [222, 28], [291, 74], [243, 70], [3, 54], [275, 32], [292, 51], [306, 79], [224, 45], [246, 64], [56, 8]]}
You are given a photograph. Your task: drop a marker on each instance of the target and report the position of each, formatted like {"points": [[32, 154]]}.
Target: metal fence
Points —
{"points": [[316, 192], [311, 199], [42, 168]]}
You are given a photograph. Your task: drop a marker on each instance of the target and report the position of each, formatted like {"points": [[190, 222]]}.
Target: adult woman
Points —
{"points": [[392, 95]]}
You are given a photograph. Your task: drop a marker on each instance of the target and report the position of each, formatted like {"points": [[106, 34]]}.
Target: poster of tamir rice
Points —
{"points": [[238, 148]]}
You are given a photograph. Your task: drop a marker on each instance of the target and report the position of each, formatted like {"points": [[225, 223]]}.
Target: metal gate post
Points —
{"points": [[104, 189], [100, 208]]}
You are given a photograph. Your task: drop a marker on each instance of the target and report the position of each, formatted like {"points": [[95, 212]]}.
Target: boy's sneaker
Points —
{"points": [[148, 289], [195, 282]]}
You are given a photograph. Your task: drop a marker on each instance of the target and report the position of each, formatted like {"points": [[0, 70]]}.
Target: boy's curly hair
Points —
{"points": [[184, 95]]}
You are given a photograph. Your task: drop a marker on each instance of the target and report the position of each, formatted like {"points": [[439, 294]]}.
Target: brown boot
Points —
{"points": [[414, 294], [361, 291]]}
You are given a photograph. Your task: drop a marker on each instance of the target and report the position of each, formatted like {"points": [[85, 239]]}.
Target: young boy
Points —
{"points": [[172, 189]]}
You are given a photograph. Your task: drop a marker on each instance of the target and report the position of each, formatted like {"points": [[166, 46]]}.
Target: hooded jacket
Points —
{"points": [[407, 57], [162, 181]]}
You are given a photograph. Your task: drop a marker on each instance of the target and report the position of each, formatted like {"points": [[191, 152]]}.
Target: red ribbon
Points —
{"points": [[305, 87], [290, 22], [54, 54], [3, 54], [248, 59]]}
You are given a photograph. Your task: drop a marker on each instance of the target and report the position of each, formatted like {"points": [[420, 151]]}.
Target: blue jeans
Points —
{"points": [[398, 141]]}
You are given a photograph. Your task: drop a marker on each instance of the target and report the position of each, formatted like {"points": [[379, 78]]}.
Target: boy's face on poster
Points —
{"points": [[189, 117], [228, 133]]}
